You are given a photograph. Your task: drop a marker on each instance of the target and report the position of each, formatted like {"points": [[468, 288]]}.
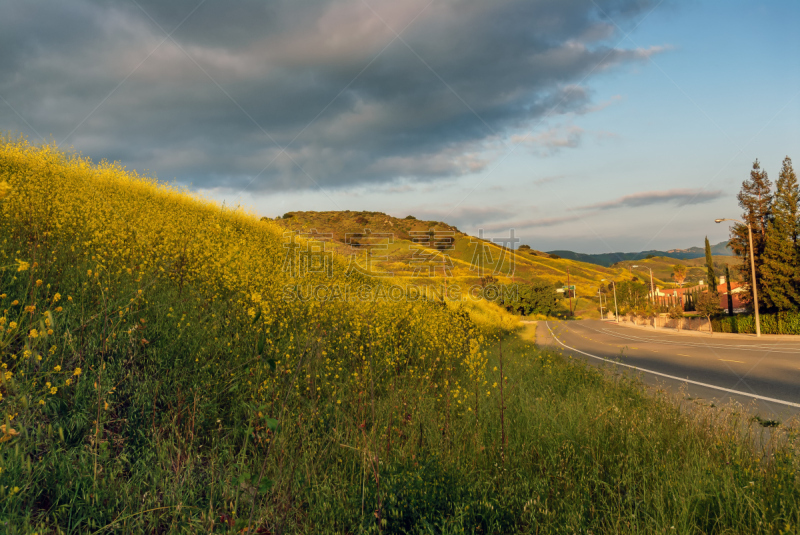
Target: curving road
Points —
{"points": [[761, 372]]}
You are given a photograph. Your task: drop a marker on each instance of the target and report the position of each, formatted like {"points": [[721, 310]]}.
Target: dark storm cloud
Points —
{"points": [[328, 81]]}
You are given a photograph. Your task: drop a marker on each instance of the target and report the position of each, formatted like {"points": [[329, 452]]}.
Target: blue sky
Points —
{"points": [[542, 116], [695, 116]]}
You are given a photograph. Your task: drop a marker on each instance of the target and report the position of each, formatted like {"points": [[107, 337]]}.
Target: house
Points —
{"points": [[738, 292]]}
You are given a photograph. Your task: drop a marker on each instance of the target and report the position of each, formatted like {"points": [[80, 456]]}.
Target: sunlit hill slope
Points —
{"points": [[346, 229]]}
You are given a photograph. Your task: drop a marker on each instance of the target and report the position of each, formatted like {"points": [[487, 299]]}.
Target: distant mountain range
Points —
{"points": [[608, 259]]}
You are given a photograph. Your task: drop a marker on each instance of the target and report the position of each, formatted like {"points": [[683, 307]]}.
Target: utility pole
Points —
{"points": [[753, 268], [569, 291], [600, 296], [616, 310], [652, 288]]}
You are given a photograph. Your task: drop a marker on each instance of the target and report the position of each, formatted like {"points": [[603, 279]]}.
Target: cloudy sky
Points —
{"points": [[592, 125]]}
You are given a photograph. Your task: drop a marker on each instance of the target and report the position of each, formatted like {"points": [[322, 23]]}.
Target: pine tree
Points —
{"points": [[712, 276], [779, 270], [756, 201]]}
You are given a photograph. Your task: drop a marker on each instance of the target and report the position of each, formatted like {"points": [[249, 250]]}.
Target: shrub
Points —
{"points": [[675, 312], [539, 297], [777, 323]]}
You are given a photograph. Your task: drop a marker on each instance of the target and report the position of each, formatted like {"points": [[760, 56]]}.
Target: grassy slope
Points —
{"points": [[662, 269], [528, 264], [372, 418]]}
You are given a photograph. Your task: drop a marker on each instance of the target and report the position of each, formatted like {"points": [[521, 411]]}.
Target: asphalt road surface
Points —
{"points": [[761, 373]]}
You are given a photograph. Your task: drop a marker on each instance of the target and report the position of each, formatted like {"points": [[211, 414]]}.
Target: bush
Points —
{"points": [[675, 312], [410, 217], [779, 323], [539, 297]]}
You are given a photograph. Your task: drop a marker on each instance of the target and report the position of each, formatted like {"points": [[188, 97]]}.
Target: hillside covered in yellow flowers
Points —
{"points": [[163, 312], [168, 366]]}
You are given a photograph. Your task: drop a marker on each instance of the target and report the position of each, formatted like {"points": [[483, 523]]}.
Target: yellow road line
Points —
{"points": [[725, 360]]}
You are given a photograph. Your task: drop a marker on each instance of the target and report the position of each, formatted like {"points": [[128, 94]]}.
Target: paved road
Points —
{"points": [[764, 373]]}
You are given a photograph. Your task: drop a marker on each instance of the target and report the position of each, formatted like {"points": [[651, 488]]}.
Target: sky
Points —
{"points": [[588, 125]]}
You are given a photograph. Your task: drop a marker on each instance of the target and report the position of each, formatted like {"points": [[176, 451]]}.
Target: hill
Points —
{"points": [[346, 230], [662, 269], [609, 259], [167, 368]]}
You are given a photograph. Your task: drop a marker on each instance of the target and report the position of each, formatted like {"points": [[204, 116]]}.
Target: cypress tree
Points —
{"points": [[728, 283], [779, 271], [756, 201], [712, 275]]}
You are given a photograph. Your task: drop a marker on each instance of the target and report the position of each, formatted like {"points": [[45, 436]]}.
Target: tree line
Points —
{"points": [[773, 217]]}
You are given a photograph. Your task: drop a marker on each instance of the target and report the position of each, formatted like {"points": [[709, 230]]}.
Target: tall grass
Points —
{"points": [[156, 381]]}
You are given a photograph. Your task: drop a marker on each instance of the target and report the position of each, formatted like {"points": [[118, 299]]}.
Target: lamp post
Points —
{"points": [[752, 267], [600, 297], [569, 293], [616, 310], [652, 288]]}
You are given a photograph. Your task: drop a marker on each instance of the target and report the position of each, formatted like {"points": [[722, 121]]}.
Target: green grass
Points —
{"points": [[584, 453]]}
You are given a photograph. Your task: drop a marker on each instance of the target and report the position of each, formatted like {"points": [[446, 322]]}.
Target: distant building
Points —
{"points": [[722, 289]]}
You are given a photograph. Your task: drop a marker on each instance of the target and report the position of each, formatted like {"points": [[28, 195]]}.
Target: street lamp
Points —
{"points": [[616, 311], [600, 297], [752, 267], [652, 289]]}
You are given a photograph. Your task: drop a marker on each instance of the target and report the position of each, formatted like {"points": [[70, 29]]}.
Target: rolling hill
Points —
{"points": [[348, 233], [662, 268], [609, 259]]}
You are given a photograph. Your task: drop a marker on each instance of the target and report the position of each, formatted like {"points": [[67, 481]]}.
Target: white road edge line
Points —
{"points": [[698, 383]]}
